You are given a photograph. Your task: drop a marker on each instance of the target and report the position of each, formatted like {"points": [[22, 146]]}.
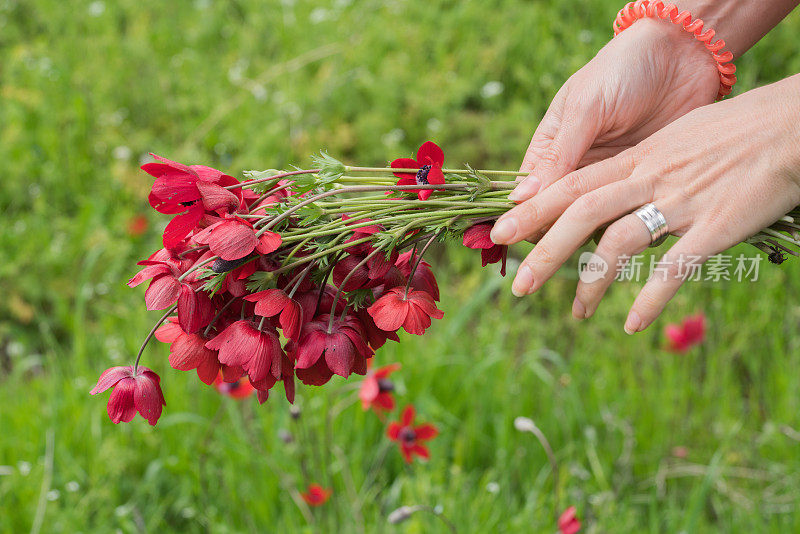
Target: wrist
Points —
{"points": [[663, 38]]}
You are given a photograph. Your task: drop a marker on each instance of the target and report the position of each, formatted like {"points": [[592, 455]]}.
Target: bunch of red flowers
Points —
{"points": [[297, 275]]}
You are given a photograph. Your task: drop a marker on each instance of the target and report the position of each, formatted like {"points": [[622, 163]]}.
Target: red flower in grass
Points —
{"points": [[322, 353], [316, 495], [409, 436], [189, 190], [430, 159], [258, 352], [412, 310], [137, 225], [239, 389], [477, 237], [139, 392], [188, 351], [689, 333], [376, 389], [568, 523]]}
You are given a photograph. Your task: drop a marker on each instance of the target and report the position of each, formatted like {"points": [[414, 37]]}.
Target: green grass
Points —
{"points": [[88, 88]]}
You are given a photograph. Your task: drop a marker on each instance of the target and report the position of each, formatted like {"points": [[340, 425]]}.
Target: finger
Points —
{"points": [[530, 217], [668, 276], [545, 131], [575, 226], [621, 240], [577, 131]]}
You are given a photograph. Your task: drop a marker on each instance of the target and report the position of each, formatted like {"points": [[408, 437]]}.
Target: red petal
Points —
{"points": [[173, 164], [268, 242], [121, 405], [309, 349], [110, 377], [270, 302], [426, 431], [236, 344], [233, 239], [420, 450], [169, 331], [477, 237], [424, 194], [393, 432], [195, 309], [151, 271], [405, 163], [148, 399], [430, 154], [407, 419], [162, 293], [435, 176], [369, 391], [389, 311], [179, 227], [339, 354], [216, 197]]}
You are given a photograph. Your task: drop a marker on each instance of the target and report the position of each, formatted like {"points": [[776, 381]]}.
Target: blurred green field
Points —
{"points": [[88, 88]]}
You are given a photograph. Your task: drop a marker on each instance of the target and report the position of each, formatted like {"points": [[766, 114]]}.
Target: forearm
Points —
{"points": [[741, 23]]}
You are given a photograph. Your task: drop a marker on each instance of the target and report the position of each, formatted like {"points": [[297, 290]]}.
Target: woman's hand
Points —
{"points": [[643, 79], [718, 174]]}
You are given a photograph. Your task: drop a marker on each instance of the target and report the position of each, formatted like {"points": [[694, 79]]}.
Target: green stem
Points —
{"points": [[150, 336]]}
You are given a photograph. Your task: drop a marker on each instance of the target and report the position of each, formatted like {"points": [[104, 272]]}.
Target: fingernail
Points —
{"points": [[523, 281], [578, 309], [633, 323], [503, 230], [526, 189]]}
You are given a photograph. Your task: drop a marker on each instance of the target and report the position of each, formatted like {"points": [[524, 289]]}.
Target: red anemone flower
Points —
{"points": [[188, 190], [239, 389], [477, 237], [376, 389], [188, 351], [409, 436], [316, 495], [259, 352], [412, 310], [276, 302], [568, 522], [430, 159], [422, 278], [322, 353], [133, 392], [686, 335]]}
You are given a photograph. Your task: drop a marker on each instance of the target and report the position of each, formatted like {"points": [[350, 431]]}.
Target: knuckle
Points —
{"points": [[616, 237], [575, 184], [589, 206], [552, 157]]}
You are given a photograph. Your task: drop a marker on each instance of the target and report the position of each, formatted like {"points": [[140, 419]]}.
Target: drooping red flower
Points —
{"points": [[376, 389], [258, 352], [408, 436], [133, 392], [412, 310], [316, 495], [188, 190], [188, 351], [430, 159], [477, 237], [239, 389], [688, 334], [568, 522], [322, 353], [274, 302]]}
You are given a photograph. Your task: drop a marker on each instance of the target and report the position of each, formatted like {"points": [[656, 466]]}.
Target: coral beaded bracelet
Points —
{"points": [[634, 11]]}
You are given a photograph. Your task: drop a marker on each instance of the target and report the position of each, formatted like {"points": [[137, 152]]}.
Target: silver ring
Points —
{"points": [[655, 222]]}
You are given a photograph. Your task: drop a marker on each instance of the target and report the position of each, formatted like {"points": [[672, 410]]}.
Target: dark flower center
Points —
{"points": [[422, 175], [407, 435], [385, 385]]}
